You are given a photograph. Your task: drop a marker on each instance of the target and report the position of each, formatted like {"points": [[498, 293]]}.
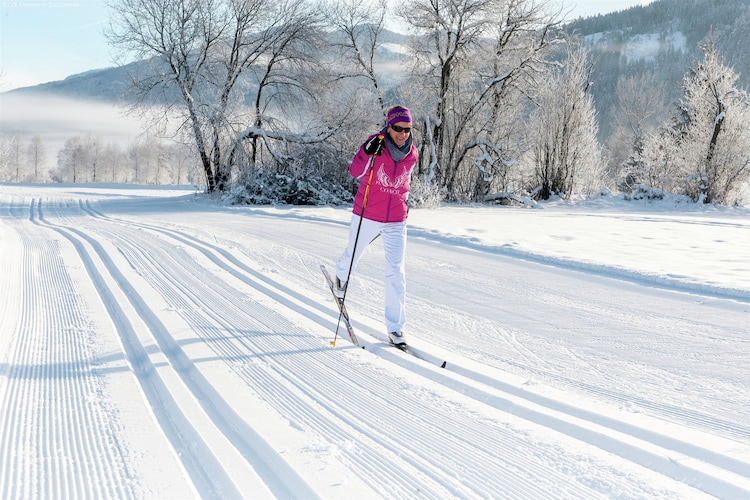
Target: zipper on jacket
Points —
{"points": [[388, 207]]}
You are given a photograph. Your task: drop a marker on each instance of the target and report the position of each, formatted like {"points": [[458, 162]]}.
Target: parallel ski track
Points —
{"points": [[641, 445], [298, 375], [51, 410], [686, 415], [202, 465], [679, 414]]}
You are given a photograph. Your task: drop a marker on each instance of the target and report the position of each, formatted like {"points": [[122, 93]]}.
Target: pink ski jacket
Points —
{"points": [[389, 187]]}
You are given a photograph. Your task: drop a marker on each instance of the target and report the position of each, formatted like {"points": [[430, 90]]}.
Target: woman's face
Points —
{"points": [[399, 132]]}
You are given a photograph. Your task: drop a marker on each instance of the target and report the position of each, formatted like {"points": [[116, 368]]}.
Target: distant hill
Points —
{"points": [[109, 84], [105, 85], [662, 37]]}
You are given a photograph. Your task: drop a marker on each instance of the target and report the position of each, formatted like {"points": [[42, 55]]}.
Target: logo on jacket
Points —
{"points": [[385, 180]]}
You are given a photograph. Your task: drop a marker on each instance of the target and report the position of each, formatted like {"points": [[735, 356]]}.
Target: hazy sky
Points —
{"points": [[42, 41]]}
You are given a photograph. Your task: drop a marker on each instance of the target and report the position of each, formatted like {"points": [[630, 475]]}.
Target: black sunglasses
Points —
{"points": [[401, 129]]}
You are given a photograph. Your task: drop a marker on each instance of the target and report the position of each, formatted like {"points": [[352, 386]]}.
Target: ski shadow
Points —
{"points": [[240, 345]]}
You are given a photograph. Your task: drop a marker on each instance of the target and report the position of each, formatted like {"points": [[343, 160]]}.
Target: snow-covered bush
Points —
{"points": [[424, 194], [267, 188], [644, 192]]}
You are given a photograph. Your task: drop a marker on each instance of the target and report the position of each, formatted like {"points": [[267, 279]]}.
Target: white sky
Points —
{"points": [[584, 8], [42, 41]]}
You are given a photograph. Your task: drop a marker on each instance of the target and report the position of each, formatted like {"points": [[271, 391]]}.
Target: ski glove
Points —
{"points": [[374, 146]]}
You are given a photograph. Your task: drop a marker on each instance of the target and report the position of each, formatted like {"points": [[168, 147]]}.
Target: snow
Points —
{"points": [[645, 46], [157, 344]]}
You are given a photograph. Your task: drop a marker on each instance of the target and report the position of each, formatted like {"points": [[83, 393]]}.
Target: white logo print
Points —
{"points": [[386, 181]]}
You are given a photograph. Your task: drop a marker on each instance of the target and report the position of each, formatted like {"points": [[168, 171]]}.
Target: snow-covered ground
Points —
{"points": [[155, 344]]}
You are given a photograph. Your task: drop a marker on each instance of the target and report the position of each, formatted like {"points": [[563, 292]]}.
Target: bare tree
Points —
{"points": [[36, 156], [201, 53], [182, 163], [470, 55], [136, 162], [114, 159], [288, 51], [5, 142], [359, 27], [92, 147], [16, 159], [564, 128], [71, 161], [641, 102]]}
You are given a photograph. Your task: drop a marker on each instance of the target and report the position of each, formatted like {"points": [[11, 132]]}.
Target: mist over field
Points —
{"points": [[56, 119]]}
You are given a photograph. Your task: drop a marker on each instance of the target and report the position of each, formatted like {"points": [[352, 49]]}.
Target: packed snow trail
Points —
{"points": [[199, 464], [58, 434], [54, 344], [202, 366]]}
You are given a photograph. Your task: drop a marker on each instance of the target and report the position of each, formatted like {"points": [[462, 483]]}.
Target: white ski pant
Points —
{"points": [[394, 243]]}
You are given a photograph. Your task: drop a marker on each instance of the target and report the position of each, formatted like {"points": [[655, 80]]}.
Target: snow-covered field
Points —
{"points": [[155, 344]]}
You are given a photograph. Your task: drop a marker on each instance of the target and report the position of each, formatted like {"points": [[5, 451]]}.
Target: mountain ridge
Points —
{"points": [[662, 37]]}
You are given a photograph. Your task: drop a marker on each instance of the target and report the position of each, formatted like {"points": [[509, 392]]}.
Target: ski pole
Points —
{"points": [[354, 249]]}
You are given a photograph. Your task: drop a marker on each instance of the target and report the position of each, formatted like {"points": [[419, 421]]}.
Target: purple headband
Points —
{"points": [[398, 114]]}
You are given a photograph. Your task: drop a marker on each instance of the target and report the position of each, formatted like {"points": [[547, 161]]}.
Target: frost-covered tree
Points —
{"points": [[358, 37], [641, 103], [92, 147], [114, 161], [219, 66], [8, 151], [182, 163], [15, 159], [36, 156], [147, 158], [563, 129], [714, 117], [367, 77], [659, 169], [471, 56], [71, 161], [707, 144], [4, 157]]}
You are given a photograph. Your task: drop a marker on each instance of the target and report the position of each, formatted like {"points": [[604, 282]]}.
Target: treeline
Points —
{"points": [[501, 93], [294, 87], [23, 162], [274, 98], [89, 159], [646, 96]]}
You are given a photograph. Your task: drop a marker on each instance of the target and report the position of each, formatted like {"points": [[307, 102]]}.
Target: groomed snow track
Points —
{"points": [[222, 350]]}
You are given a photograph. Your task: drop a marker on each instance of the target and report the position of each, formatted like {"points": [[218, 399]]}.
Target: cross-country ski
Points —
{"points": [[343, 314]]}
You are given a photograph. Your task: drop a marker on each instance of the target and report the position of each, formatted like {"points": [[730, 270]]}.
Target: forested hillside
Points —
{"points": [[661, 38]]}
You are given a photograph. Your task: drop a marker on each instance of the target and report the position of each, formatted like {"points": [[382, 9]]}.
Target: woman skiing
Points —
{"points": [[383, 164]]}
